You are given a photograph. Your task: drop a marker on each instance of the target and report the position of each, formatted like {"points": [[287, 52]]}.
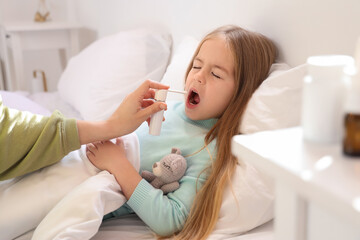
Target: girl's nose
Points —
{"points": [[200, 78]]}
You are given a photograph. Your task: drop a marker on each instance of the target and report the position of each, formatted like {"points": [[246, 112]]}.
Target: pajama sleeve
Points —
{"points": [[164, 214], [29, 142]]}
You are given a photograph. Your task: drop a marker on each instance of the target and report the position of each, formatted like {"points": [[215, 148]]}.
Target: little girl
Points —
{"points": [[229, 64]]}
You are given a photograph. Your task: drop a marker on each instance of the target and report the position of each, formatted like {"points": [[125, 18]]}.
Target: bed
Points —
{"points": [[75, 84], [89, 88]]}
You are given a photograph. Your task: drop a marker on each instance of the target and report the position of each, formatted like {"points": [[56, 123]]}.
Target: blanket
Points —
{"points": [[65, 200]]}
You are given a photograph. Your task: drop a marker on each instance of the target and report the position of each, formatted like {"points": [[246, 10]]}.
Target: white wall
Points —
{"points": [[49, 61], [300, 28], [21, 10]]}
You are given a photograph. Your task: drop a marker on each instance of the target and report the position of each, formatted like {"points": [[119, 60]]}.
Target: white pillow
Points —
{"points": [[247, 203], [99, 77], [175, 72], [277, 102]]}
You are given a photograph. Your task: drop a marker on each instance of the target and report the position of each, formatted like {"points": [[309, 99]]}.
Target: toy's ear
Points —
{"points": [[176, 151]]}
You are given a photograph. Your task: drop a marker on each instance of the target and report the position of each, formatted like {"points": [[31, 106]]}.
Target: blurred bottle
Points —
{"points": [[351, 142], [323, 98]]}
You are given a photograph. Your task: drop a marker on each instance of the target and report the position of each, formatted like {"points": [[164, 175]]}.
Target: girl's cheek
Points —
{"points": [[187, 82]]}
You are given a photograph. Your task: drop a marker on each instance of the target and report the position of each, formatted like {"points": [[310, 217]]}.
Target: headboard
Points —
{"points": [[300, 28]]}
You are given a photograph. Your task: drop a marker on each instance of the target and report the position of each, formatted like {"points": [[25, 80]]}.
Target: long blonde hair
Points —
{"points": [[253, 56]]}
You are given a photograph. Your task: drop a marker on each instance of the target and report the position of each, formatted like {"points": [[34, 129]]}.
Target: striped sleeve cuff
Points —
{"points": [[72, 140], [140, 194]]}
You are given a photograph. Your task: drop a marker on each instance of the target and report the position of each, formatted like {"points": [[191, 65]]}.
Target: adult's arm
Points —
{"points": [[29, 142]]}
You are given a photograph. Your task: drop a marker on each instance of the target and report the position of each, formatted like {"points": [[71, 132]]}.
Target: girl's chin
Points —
{"points": [[191, 114]]}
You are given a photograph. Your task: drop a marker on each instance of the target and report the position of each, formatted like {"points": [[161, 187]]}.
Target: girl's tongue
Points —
{"points": [[194, 98]]}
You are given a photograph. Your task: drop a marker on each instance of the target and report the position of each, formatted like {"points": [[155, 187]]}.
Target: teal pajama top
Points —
{"points": [[166, 214]]}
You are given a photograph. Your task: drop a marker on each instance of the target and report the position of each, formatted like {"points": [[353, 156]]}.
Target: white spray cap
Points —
{"points": [[160, 95], [328, 67]]}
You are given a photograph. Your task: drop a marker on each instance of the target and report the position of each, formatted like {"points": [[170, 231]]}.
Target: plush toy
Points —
{"points": [[167, 172]]}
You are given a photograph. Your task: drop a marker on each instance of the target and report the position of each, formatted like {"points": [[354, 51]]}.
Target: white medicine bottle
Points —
{"points": [[323, 97], [157, 118]]}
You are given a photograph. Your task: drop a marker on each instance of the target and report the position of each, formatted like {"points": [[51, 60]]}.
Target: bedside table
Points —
{"points": [[317, 187], [25, 36]]}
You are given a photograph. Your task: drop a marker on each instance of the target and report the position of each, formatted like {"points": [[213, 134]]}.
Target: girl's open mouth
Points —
{"points": [[193, 98]]}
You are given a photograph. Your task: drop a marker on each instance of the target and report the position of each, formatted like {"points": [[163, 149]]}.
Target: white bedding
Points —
{"points": [[51, 200], [279, 94], [78, 215], [25, 201], [66, 199], [132, 228]]}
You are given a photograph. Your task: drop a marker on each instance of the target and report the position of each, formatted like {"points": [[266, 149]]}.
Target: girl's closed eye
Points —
{"points": [[196, 64], [215, 75]]}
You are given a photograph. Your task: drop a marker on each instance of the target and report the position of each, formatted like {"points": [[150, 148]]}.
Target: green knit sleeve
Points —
{"points": [[29, 142]]}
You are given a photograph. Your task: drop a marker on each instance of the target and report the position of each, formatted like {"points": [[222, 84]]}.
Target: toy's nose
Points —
{"points": [[155, 165]]}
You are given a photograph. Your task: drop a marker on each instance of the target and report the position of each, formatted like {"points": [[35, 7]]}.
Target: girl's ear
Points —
{"points": [[176, 151]]}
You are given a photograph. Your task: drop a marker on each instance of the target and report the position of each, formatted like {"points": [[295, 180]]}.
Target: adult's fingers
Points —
{"points": [[153, 108], [147, 84], [149, 94], [147, 102]]}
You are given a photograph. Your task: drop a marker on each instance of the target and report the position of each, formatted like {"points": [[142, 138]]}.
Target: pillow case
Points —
{"points": [[277, 102], [97, 79]]}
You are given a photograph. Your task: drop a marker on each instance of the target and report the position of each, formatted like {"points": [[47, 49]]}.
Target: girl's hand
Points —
{"points": [[111, 156], [106, 155]]}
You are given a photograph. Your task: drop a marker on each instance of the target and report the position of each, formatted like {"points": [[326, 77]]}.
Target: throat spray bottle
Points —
{"points": [[157, 118], [351, 142]]}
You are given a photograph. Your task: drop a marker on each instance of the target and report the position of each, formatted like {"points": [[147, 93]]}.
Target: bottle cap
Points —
{"points": [[328, 67], [160, 95]]}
